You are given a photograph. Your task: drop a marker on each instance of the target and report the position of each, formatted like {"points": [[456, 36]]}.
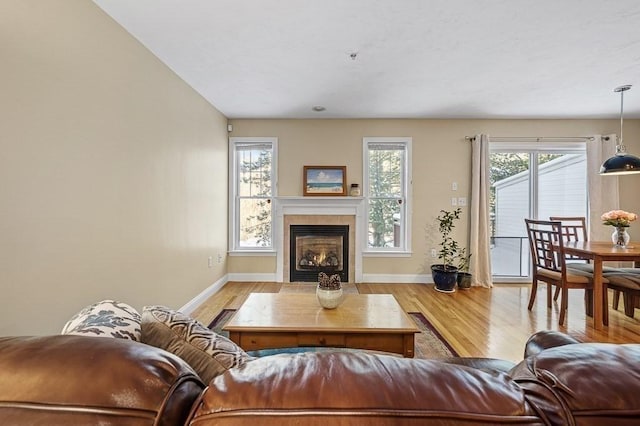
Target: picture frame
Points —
{"points": [[324, 181]]}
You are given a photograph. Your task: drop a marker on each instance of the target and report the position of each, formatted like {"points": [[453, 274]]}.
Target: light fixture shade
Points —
{"points": [[621, 164]]}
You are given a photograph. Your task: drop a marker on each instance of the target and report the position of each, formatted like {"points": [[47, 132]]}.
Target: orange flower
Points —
{"points": [[618, 218]]}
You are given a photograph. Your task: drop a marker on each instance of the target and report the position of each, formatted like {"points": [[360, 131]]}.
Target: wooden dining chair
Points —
{"points": [[621, 280], [627, 282], [574, 228], [549, 265]]}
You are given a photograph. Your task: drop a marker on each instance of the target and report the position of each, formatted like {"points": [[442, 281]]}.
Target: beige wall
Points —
{"points": [[440, 156], [113, 171]]}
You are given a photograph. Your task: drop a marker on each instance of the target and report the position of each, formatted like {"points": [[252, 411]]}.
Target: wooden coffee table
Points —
{"points": [[285, 320]]}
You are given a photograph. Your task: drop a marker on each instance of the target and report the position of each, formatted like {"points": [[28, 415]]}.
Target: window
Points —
{"points": [[386, 190], [531, 180], [252, 183]]}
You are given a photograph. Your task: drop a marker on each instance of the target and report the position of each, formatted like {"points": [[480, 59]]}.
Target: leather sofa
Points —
{"points": [[77, 380]]}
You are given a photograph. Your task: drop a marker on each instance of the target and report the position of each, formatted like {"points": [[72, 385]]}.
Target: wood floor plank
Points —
{"points": [[477, 322]]}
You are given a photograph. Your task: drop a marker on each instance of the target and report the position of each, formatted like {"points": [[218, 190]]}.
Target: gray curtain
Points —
{"points": [[479, 238]]}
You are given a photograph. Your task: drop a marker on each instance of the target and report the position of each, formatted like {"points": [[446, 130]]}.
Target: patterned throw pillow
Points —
{"points": [[106, 319], [208, 353]]}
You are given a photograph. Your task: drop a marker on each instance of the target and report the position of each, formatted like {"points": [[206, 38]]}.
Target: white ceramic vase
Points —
{"points": [[329, 299]]}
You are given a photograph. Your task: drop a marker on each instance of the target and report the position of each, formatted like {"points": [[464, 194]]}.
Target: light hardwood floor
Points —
{"points": [[477, 322]]}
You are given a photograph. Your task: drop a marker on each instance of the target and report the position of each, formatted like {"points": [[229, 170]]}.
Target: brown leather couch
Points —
{"points": [[71, 380]]}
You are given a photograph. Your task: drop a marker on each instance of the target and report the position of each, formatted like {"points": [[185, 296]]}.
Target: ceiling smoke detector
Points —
{"points": [[318, 108]]}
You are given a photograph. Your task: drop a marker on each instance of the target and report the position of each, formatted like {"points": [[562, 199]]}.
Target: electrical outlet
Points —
{"points": [[434, 253], [462, 201], [210, 261], [454, 201], [219, 258]]}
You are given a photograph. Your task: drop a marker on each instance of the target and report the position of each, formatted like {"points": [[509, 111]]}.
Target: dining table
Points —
{"points": [[599, 252]]}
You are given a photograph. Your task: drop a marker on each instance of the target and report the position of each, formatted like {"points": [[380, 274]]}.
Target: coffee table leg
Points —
{"points": [[234, 336], [409, 343]]}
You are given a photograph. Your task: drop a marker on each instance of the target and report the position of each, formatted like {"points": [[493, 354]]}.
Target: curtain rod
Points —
{"points": [[538, 138]]}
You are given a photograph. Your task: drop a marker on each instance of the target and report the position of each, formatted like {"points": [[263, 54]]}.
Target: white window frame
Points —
{"points": [[404, 250], [234, 199], [533, 148]]}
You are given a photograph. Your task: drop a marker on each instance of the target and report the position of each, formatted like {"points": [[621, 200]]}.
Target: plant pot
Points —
{"points": [[329, 299], [444, 278], [464, 280]]}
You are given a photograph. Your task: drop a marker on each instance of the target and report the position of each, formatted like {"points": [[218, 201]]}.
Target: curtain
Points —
{"points": [[480, 261], [602, 190]]}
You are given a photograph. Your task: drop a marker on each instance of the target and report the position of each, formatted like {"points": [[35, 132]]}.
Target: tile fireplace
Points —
{"points": [[344, 212]]}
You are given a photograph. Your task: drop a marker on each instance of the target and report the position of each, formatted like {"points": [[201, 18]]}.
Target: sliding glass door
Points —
{"points": [[531, 181]]}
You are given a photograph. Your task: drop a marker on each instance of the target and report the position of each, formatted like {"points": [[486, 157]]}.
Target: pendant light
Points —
{"points": [[621, 163]]}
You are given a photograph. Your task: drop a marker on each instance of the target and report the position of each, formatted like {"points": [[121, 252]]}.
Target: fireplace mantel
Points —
{"points": [[319, 206]]}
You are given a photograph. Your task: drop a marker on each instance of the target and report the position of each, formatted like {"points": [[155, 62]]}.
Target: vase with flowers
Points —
{"points": [[621, 220]]}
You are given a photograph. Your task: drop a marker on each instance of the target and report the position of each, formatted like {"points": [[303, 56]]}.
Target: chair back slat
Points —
{"points": [[574, 228], [546, 244]]}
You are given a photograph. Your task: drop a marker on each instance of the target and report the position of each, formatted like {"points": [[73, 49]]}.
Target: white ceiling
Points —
{"points": [[415, 58]]}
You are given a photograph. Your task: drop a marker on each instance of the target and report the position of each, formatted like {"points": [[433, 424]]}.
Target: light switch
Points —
{"points": [[454, 186], [454, 201]]}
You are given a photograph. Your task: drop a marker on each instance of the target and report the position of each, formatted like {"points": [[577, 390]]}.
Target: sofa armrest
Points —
{"points": [[546, 339], [584, 383], [64, 379]]}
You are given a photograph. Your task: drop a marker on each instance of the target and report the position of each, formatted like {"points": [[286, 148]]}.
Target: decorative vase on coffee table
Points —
{"points": [[329, 291], [329, 299]]}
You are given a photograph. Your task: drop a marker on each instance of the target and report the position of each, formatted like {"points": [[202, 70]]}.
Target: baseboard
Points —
{"points": [[256, 277], [204, 295], [512, 280], [397, 278]]}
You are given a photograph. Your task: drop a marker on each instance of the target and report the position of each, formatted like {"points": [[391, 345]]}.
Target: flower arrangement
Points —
{"points": [[618, 218]]}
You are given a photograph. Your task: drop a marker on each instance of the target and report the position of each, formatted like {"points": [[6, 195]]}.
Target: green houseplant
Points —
{"points": [[445, 274], [464, 277]]}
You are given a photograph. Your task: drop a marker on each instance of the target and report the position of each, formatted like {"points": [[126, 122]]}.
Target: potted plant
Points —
{"points": [[445, 274], [464, 277]]}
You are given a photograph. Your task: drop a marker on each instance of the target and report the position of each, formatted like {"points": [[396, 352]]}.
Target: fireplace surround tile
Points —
{"points": [[318, 211], [289, 220]]}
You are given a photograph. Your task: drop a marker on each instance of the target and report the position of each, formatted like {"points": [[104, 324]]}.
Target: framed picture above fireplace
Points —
{"points": [[325, 180]]}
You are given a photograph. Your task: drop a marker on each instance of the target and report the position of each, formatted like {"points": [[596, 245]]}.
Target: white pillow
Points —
{"points": [[106, 319]]}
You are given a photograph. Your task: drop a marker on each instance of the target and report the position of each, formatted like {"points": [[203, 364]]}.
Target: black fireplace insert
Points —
{"points": [[318, 248]]}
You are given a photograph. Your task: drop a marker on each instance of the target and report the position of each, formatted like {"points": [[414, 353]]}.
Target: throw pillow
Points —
{"points": [[106, 319], [208, 353]]}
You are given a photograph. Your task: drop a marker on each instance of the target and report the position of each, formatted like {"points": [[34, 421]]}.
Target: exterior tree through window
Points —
{"points": [[386, 193], [252, 187]]}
